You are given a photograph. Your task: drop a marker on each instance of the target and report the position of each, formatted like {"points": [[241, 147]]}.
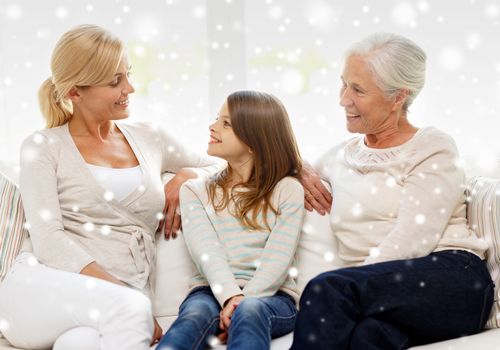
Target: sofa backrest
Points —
{"points": [[483, 216]]}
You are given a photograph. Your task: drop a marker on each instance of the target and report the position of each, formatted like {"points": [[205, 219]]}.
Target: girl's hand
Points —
{"points": [[171, 222], [316, 195], [158, 332], [227, 312]]}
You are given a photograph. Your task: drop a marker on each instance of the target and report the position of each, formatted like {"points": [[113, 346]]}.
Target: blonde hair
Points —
{"points": [[86, 55], [261, 122]]}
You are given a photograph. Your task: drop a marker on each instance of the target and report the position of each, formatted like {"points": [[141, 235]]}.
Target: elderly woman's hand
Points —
{"points": [[171, 222], [316, 195]]}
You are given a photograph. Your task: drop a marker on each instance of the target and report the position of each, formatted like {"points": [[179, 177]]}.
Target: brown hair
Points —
{"points": [[261, 122], [84, 56]]}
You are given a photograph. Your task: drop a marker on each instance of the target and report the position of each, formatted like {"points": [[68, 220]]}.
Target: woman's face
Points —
{"points": [[109, 101], [367, 109]]}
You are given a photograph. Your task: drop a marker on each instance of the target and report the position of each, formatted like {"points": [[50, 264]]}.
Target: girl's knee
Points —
{"points": [[249, 308], [200, 307]]}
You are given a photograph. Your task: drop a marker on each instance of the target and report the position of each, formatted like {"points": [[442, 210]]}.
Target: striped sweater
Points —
{"points": [[235, 260]]}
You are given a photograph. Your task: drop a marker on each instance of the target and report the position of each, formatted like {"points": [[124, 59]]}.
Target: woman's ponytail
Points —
{"points": [[56, 110]]}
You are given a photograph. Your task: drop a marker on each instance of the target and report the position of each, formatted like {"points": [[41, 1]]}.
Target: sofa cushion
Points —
{"points": [[12, 223], [483, 215], [317, 250], [174, 269]]}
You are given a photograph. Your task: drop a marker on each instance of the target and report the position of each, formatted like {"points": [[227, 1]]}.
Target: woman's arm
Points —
{"points": [[39, 191], [205, 247], [186, 165], [316, 195], [176, 156], [279, 251]]}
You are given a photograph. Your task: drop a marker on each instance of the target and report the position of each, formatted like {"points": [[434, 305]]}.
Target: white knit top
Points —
{"points": [[399, 202], [118, 182]]}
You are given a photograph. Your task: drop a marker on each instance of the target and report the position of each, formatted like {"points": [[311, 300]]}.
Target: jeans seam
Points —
{"points": [[204, 334], [275, 317], [485, 296], [401, 346], [281, 317]]}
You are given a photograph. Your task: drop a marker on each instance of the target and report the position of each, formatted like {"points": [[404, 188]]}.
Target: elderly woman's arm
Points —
{"points": [[432, 191], [316, 195]]}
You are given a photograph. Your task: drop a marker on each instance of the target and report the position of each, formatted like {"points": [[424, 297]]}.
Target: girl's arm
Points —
{"points": [[204, 245], [279, 251]]}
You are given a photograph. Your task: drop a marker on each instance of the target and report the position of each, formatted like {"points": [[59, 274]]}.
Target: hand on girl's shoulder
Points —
{"points": [[289, 181], [289, 188], [194, 187]]}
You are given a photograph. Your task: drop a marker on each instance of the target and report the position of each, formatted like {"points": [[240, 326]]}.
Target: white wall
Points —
{"points": [[188, 54]]}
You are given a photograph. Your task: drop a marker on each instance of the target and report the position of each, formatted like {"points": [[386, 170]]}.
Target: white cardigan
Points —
{"points": [[73, 221]]}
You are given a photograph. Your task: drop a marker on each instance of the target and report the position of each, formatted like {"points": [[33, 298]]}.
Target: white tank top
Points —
{"points": [[119, 182]]}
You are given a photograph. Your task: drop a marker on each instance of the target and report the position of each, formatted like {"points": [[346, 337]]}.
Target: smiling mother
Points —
{"points": [[93, 196], [414, 271]]}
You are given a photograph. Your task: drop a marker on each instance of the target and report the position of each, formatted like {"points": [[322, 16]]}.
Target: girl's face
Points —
{"points": [[109, 101], [223, 141]]}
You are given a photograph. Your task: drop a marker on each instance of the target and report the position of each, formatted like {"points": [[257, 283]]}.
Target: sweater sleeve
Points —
{"points": [[177, 156], [279, 250], [431, 191], [205, 247], [39, 191]]}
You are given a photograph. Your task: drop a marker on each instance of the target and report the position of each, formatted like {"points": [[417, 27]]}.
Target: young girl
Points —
{"points": [[242, 229]]}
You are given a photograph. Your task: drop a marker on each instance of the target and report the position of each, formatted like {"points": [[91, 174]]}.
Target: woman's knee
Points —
{"points": [[78, 338], [134, 304], [330, 280]]}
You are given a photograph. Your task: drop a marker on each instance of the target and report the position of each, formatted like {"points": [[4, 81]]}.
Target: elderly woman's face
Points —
{"points": [[367, 109]]}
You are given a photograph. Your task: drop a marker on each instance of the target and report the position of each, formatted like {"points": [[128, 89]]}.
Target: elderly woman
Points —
{"points": [[414, 271]]}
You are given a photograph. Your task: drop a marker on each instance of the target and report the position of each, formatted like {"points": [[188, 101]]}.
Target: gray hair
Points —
{"points": [[396, 62]]}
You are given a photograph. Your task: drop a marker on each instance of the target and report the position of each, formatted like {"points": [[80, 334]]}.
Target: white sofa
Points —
{"points": [[316, 253]]}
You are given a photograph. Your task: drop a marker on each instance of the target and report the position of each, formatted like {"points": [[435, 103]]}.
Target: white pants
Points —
{"points": [[42, 307]]}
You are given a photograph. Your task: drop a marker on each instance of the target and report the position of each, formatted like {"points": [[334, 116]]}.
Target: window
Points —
{"points": [[187, 55]]}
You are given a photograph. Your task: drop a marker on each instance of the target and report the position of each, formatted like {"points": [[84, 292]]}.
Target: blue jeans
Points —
{"points": [[395, 304], [254, 322]]}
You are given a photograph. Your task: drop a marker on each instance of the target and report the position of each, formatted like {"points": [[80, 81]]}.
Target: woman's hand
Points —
{"points": [[171, 222], [158, 332], [225, 315], [316, 195]]}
